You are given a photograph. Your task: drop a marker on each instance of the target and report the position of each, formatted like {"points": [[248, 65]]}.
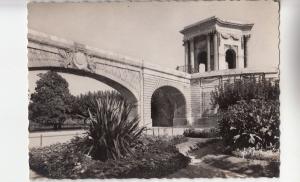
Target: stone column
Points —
{"points": [[186, 56], [246, 38], [192, 55], [208, 52], [216, 56]]}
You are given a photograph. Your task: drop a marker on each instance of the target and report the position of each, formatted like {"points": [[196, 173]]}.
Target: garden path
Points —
{"points": [[197, 168]]}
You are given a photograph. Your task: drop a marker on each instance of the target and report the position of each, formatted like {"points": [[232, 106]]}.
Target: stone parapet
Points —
{"points": [[53, 41], [235, 72]]}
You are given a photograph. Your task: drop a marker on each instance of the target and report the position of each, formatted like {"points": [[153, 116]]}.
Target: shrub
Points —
{"points": [[251, 153], [111, 131], [201, 133], [228, 94], [85, 102], [152, 158], [251, 124]]}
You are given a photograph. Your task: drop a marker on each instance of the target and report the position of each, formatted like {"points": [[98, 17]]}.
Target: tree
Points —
{"points": [[50, 103], [84, 102]]}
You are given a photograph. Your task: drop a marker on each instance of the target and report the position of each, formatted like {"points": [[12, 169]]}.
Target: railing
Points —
{"points": [[189, 69], [48, 138], [34, 127], [186, 69]]}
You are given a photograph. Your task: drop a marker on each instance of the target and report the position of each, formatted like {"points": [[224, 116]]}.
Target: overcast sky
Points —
{"points": [[150, 31]]}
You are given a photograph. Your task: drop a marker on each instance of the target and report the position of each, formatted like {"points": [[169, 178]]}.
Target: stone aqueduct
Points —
{"points": [[139, 81]]}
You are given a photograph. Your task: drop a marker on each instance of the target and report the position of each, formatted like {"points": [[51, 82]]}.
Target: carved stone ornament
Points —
{"points": [[233, 47], [67, 58], [91, 64], [80, 60], [227, 36]]}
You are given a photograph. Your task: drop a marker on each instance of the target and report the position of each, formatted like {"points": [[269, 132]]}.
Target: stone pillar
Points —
{"points": [[192, 55], [186, 56], [208, 52], [246, 38], [216, 56]]}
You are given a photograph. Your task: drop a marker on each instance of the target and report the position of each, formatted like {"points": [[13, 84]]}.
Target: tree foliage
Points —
{"points": [[228, 94], [249, 113], [50, 103], [112, 131], [251, 124], [84, 102]]}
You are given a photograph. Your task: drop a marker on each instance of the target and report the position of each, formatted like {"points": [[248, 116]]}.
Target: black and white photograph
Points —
{"points": [[178, 89]]}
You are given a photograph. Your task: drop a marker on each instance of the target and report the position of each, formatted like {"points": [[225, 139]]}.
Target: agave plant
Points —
{"points": [[111, 132]]}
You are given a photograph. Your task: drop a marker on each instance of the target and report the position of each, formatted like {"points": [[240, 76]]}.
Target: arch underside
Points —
{"points": [[168, 107]]}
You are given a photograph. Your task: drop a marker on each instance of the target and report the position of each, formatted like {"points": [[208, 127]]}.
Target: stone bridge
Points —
{"points": [[141, 83]]}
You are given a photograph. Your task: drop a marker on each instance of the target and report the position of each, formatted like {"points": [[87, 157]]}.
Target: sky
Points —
{"points": [[77, 84], [150, 31]]}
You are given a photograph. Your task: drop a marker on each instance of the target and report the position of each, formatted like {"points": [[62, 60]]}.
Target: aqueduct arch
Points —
{"points": [[168, 107], [123, 90]]}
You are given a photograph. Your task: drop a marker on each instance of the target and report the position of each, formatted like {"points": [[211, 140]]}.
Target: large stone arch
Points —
{"points": [[51, 53], [168, 107], [126, 92]]}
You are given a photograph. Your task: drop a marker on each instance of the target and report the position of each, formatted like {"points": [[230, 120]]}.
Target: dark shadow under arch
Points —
{"points": [[168, 107]]}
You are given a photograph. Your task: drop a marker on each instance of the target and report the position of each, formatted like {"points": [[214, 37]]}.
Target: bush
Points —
{"points": [[251, 124], [85, 102], [152, 158], [111, 131], [251, 153], [201, 133], [228, 94]]}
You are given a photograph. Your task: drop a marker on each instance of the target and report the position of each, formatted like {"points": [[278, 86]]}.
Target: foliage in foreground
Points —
{"points": [[249, 110], [228, 94], [85, 102], [113, 128], [50, 103], [251, 124], [152, 158], [251, 153]]}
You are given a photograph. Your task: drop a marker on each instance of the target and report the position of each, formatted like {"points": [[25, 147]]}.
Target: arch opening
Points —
{"points": [[202, 62], [124, 91], [230, 59], [168, 107]]}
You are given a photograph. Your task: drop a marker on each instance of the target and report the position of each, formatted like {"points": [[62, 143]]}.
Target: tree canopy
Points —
{"points": [[50, 104]]}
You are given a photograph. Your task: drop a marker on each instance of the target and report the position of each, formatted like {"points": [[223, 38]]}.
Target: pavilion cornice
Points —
{"points": [[212, 22]]}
